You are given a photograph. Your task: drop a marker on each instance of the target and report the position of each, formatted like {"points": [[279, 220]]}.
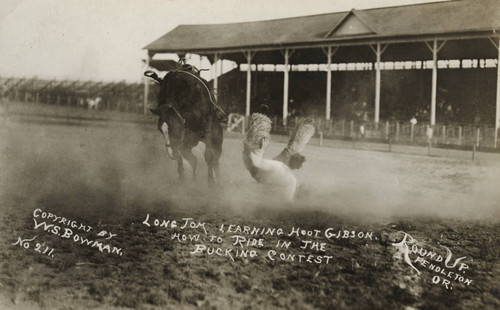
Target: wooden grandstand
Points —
{"points": [[426, 40], [116, 96]]}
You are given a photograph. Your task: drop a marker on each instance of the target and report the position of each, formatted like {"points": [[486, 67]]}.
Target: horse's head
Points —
{"points": [[168, 125]]}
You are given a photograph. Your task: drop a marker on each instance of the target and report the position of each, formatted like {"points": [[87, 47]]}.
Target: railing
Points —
{"points": [[236, 122], [441, 135]]}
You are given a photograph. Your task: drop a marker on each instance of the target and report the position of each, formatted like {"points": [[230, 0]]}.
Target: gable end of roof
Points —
{"points": [[350, 17]]}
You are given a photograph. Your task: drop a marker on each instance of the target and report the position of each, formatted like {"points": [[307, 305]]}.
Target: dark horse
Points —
{"points": [[188, 113]]}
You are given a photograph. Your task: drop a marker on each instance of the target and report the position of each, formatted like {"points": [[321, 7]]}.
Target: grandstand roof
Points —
{"points": [[163, 64], [439, 20]]}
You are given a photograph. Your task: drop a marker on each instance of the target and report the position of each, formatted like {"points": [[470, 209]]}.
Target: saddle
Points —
{"points": [[190, 69]]}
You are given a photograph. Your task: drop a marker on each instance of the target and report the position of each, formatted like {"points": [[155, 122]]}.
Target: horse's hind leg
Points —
{"points": [[209, 158], [180, 167], [212, 156], [215, 162], [217, 172], [215, 146], [188, 143], [187, 153]]}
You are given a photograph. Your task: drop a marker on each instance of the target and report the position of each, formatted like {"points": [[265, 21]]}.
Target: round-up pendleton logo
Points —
{"points": [[444, 268]]}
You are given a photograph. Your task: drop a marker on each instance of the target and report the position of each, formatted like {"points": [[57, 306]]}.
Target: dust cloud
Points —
{"points": [[122, 171], [81, 171]]}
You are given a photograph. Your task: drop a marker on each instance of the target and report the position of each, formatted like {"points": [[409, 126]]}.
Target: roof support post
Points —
{"points": [[378, 52], [146, 85], [216, 74], [377, 85], [497, 114], [329, 54], [497, 117], [249, 55], [434, 83], [286, 55], [434, 49]]}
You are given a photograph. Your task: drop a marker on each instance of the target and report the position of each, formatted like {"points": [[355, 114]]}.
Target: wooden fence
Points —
{"points": [[449, 135], [128, 97]]}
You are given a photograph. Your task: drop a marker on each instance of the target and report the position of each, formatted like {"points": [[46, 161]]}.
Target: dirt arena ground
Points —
{"points": [[118, 180]]}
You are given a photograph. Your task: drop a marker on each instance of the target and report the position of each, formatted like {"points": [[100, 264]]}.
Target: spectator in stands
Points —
{"points": [[449, 115], [362, 117], [413, 121], [429, 133]]}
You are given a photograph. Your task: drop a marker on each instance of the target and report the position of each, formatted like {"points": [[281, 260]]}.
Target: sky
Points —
{"points": [[103, 40]]}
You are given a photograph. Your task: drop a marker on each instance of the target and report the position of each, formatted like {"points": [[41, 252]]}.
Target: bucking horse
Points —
{"points": [[189, 113]]}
